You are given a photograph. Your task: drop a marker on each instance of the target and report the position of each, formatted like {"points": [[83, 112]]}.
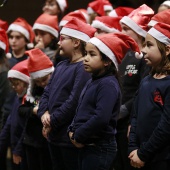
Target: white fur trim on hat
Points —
{"points": [[152, 23], [138, 56], [104, 49], [102, 26], [62, 23], [41, 73], [167, 3], [75, 33], [135, 27], [2, 45], [46, 28], [113, 13], [18, 28], [159, 36], [62, 4], [18, 75], [108, 8], [90, 10]]}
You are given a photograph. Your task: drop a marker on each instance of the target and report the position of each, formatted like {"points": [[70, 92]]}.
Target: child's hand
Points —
{"points": [[46, 131], [76, 144], [135, 160], [45, 119], [16, 159], [40, 44], [35, 110]]}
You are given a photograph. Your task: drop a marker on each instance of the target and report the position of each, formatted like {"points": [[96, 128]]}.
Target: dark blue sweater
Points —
{"points": [[150, 125], [60, 98], [13, 129], [97, 111]]}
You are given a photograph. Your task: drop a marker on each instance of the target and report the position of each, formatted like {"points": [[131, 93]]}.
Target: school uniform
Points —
{"points": [[95, 122], [60, 98], [150, 129]]}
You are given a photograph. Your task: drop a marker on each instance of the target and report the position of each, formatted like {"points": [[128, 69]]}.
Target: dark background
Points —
{"points": [[31, 9]]}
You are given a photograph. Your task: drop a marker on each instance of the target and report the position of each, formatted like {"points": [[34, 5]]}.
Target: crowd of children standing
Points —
{"points": [[88, 90]]}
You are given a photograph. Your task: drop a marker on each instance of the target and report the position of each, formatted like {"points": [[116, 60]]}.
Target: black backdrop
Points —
{"points": [[31, 9]]}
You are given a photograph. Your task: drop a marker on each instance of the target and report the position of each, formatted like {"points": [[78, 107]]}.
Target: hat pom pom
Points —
{"points": [[138, 56], [8, 55], [30, 45]]}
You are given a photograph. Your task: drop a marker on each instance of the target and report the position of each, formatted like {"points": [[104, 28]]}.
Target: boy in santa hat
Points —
{"points": [[46, 35], [132, 71], [60, 98], [12, 131], [40, 69]]}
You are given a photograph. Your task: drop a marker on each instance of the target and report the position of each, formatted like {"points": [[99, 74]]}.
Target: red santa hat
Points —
{"points": [[138, 19], [166, 3], [22, 26], [162, 16], [99, 7], [115, 50], [71, 15], [3, 25], [160, 31], [78, 29], [107, 23], [121, 11], [62, 4], [4, 40], [20, 71], [47, 23], [39, 64], [85, 14]]}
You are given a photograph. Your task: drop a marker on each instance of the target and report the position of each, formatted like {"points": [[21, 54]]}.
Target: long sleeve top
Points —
{"points": [[97, 111], [150, 125], [60, 98]]}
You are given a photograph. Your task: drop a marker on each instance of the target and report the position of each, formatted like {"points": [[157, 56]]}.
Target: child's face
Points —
{"points": [[93, 60], [43, 81], [17, 41], [152, 55], [128, 31], [43, 37], [66, 45], [18, 85], [51, 8]]}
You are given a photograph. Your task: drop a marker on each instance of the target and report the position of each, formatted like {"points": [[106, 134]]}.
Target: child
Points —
{"points": [[12, 131], [55, 7], [94, 126], [60, 98], [40, 68], [150, 130], [21, 38], [46, 34], [131, 72], [98, 8]]}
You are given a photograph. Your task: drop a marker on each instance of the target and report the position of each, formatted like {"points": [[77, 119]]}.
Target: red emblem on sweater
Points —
{"points": [[158, 97]]}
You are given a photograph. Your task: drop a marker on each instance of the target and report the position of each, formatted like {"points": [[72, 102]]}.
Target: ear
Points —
{"points": [[107, 63], [167, 50], [76, 42]]}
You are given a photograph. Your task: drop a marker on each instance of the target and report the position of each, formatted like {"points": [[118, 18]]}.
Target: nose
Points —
{"points": [[86, 58]]}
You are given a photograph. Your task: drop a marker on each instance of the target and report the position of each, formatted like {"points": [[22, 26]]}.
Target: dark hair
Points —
{"points": [[164, 65], [110, 68], [53, 44], [3, 59]]}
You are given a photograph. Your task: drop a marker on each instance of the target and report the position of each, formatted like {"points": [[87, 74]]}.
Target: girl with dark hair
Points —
{"points": [[94, 127]]}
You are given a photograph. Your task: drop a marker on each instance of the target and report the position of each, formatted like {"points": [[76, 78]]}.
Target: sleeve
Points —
{"points": [[5, 135], [43, 103], [65, 113], [160, 137], [132, 135], [107, 97]]}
